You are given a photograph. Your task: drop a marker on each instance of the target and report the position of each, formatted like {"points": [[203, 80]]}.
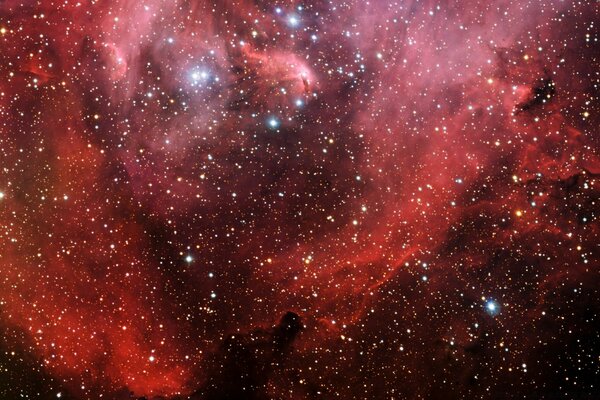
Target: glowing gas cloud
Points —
{"points": [[299, 200]]}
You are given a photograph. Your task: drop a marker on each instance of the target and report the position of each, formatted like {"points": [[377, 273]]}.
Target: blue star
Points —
{"points": [[273, 123], [492, 307]]}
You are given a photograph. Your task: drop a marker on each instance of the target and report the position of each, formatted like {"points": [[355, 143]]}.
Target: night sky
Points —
{"points": [[230, 200]]}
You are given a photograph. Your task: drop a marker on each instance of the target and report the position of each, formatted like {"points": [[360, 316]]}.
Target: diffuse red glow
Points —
{"points": [[205, 200]]}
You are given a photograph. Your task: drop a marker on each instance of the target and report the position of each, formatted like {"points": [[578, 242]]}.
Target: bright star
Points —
{"points": [[273, 123], [492, 307], [293, 20]]}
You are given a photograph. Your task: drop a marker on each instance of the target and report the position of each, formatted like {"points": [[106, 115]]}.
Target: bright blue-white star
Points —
{"points": [[273, 123], [293, 20], [492, 307]]}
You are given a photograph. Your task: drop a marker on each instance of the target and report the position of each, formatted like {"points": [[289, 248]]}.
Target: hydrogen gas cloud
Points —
{"points": [[299, 200]]}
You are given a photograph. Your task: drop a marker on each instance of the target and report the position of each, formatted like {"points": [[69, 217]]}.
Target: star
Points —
{"points": [[492, 307]]}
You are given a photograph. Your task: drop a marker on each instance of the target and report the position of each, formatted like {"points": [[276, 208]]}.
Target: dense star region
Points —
{"points": [[236, 199]]}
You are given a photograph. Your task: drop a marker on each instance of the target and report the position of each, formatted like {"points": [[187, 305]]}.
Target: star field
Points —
{"points": [[299, 200]]}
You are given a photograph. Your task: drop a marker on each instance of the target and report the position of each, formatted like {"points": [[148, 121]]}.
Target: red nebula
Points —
{"points": [[206, 200]]}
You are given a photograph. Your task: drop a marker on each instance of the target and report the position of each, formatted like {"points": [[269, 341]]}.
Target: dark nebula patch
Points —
{"points": [[250, 360], [541, 93]]}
